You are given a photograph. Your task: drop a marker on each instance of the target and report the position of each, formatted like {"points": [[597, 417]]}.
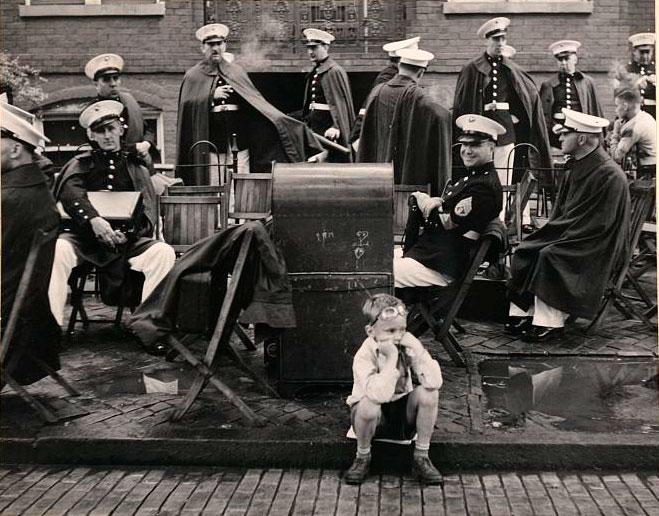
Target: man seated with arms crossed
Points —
{"points": [[384, 404], [452, 222], [634, 130], [92, 238], [564, 267]]}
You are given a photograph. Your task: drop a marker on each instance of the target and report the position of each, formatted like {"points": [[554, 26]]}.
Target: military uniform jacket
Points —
{"points": [[469, 204], [28, 206], [72, 187], [472, 81], [648, 92], [336, 88], [568, 262], [585, 91]]}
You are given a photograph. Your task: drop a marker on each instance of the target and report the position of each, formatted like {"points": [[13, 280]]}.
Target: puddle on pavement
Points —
{"points": [[589, 395], [168, 379]]}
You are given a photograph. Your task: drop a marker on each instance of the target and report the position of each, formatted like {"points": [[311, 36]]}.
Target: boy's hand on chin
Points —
{"points": [[387, 348], [408, 341]]}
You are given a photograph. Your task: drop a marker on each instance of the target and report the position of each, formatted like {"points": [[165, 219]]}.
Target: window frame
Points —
{"points": [[518, 6]]}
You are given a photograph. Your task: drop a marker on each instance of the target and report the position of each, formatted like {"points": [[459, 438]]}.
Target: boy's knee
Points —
{"points": [[426, 397], [367, 410]]}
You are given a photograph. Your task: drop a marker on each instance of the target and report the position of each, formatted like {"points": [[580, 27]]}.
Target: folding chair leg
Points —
{"points": [[459, 328], [54, 375], [637, 313], [38, 407], [244, 338], [233, 355], [118, 317], [449, 342], [208, 376], [639, 289]]}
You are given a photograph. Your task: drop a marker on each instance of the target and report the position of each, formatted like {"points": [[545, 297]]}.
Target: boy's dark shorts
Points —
{"points": [[393, 421]]}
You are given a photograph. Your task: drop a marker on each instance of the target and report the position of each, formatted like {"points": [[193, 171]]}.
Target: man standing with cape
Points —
{"points": [[217, 99]]}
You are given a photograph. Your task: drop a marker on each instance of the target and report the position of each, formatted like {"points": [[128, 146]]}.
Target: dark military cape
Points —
{"points": [[336, 87], [568, 262], [28, 206], [113, 262], [384, 76], [472, 81], [264, 290], [274, 135], [585, 90], [416, 136]]}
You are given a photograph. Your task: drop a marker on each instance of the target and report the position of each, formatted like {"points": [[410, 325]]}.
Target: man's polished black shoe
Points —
{"points": [[541, 334], [516, 326]]}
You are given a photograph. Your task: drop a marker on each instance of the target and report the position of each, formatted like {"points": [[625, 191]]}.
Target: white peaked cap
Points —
{"points": [[19, 127], [415, 57], [394, 46]]}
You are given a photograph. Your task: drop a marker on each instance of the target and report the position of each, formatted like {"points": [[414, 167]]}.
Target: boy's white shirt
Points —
{"points": [[371, 380]]}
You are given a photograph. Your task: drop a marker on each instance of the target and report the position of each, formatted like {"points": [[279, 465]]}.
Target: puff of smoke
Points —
{"points": [[254, 52]]}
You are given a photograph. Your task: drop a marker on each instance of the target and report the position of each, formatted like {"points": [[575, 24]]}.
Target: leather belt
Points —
{"points": [[225, 107], [649, 102], [497, 106], [319, 107]]}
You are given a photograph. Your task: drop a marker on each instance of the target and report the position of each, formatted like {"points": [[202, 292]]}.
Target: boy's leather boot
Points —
{"points": [[358, 471]]}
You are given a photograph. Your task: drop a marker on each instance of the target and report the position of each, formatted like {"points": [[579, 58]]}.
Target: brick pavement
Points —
{"points": [[76, 491], [108, 370]]}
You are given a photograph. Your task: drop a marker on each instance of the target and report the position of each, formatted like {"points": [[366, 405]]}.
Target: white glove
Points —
{"points": [[426, 203]]}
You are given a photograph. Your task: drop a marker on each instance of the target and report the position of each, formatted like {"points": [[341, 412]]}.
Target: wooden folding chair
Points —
{"points": [[436, 307], [642, 197], [401, 195], [77, 282], [18, 350], [517, 197], [252, 197], [219, 343]]}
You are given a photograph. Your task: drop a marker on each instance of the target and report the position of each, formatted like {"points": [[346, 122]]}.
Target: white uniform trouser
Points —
{"points": [[224, 160], [504, 168], [410, 273], [154, 263], [543, 314]]}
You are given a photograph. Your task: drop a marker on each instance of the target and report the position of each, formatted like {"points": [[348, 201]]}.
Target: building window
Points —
{"points": [[517, 6], [70, 8]]}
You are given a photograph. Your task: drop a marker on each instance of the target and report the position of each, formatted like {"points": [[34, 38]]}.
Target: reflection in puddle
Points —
{"points": [[572, 394], [166, 378]]}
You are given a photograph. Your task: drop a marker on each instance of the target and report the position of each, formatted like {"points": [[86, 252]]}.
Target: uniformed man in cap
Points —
{"points": [[570, 89], [452, 222], [564, 267], [217, 99], [642, 65], [27, 207], [328, 107], [385, 75], [105, 70], [92, 238], [404, 124], [494, 86]]}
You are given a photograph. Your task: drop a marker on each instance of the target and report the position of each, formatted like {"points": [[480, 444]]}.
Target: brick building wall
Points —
{"points": [[158, 49]]}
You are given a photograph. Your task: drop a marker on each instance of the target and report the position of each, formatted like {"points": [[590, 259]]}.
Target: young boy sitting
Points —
{"points": [[384, 403]]}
